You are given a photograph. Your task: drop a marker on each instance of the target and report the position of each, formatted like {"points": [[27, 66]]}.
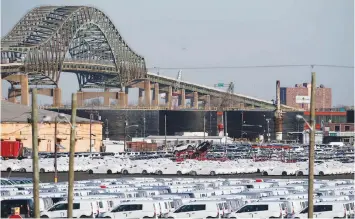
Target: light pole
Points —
{"points": [[126, 126], [204, 128], [144, 127], [165, 130], [226, 129], [268, 129], [91, 118], [48, 118], [106, 131], [91, 115], [241, 130]]}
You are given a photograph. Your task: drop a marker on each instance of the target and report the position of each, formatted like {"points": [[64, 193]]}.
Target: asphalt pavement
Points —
{"points": [[63, 177]]}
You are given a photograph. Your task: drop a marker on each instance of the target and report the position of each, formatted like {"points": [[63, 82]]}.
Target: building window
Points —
{"points": [[347, 128], [337, 128]]}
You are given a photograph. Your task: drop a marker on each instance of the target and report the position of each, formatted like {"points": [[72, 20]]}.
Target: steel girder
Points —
{"points": [[96, 80], [47, 34]]}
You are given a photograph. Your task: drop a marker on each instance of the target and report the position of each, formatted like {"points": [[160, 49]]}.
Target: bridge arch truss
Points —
{"points": [[48, 35]]}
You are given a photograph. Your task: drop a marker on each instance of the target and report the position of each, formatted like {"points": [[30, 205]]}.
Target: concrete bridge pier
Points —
{"points": [[195, 100], [24, 90], [140, 97], [107, 97], [182, 99], [207, 102], [122, 99], [156, 95], [169, 98], [80, 99], [57, 97], [147, 95]]}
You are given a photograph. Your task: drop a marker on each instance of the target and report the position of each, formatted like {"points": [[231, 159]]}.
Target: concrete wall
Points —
{"points": [[23, 132]]}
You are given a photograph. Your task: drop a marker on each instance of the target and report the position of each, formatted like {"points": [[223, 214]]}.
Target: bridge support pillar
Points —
{"points": [[182, 99], [208, 102], [57, 97], [147, 93], [140, 97], [24, 90], [156, 96], [80, 99], [122, 101], [169, 98], [195, 100], [107, 97]]}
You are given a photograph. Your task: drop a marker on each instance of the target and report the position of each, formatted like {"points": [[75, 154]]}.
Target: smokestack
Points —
{"points": [[278, 113], [278, 100]]}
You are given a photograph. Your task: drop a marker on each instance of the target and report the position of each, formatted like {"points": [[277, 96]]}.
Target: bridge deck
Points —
{"points": [[164, 80]]}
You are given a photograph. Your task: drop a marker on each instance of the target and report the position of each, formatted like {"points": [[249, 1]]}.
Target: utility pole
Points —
{"points": [[165, 130], [311, 147], [204, 128], [268, 129], [125, 134], [226, 129], [35, 154], [71, 157], [144, 127], [241, 128], [91, 115], [55, 150], [106, 131]]}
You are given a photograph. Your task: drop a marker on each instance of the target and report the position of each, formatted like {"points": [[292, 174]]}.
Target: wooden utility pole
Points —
{"points": [[55, 150], [71, 157], [35, 153], [311, 147]]}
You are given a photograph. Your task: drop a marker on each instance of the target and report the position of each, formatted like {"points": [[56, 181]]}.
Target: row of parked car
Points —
{"points": [[113, 165], [182, 198]]}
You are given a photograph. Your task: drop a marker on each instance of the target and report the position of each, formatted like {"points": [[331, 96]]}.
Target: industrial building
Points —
{"points": [[16, 126], [299, 96]]}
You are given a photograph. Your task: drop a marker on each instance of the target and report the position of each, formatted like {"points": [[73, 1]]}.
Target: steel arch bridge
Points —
{"points": [[48, 35]]}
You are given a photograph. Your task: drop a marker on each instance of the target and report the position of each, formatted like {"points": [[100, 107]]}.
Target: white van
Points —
{"points": [[134, 209], [326, 210], [81, 208], [260, 210], [198, 209]]}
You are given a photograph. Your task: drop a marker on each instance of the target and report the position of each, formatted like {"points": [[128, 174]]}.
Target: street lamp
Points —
{"points": [[299, 117], [91, 118], [126, 126]]}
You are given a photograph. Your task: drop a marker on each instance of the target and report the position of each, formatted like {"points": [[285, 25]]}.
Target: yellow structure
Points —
{"points": [[15, 126]]}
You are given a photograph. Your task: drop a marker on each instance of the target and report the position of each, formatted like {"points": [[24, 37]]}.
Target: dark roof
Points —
{"points": [[12, 112]]}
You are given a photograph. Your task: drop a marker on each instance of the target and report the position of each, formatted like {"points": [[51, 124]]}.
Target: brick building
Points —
{"points": [[323, 96]]}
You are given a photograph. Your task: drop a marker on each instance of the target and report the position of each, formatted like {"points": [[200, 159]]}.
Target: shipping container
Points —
{"points": [[141, 146], [11, 149]]}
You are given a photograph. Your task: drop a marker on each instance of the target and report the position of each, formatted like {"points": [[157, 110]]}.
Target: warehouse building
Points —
{"points": [[16, 126]]}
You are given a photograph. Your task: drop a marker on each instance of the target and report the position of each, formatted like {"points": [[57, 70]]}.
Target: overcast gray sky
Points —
{"points": [[203, 33]]}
